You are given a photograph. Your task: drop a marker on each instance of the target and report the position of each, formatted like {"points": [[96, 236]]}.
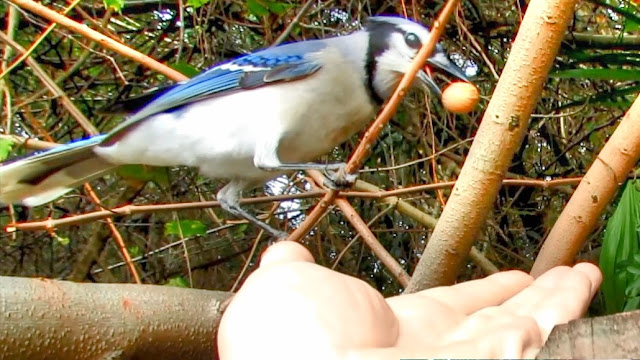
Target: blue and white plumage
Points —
{"points": [[246, 120]]}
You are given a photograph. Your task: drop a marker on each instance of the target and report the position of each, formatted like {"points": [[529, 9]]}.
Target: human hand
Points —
{"points": [[291, 308]]}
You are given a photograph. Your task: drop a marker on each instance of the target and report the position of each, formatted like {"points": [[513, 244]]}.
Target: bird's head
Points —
{"points": [[393, 44]]}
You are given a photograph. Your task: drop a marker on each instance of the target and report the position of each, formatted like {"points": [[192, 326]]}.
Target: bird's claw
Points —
{"points": [[338, 179], [280, 235], [334, 167]]}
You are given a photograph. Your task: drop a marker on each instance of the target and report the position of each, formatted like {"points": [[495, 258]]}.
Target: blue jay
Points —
{"points": [[247, 120]]}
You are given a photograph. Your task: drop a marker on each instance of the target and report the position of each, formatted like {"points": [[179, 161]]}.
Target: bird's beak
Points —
{"points": [[440, 62]]}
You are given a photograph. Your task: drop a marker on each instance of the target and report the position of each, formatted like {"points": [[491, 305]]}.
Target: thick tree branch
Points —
{"points": [[499, 136], [48, 319], [596, 190]]}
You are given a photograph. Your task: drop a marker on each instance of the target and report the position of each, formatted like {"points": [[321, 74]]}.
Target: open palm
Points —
{"points": [[291, 308]]}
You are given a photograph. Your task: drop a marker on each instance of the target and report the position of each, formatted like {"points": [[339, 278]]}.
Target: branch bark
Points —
{"points": [[48, 319], [499, 136], [427, 220], [596, 190]]}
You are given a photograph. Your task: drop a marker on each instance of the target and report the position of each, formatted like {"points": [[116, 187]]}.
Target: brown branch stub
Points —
{"points": [[598, 187], [499, 136]]}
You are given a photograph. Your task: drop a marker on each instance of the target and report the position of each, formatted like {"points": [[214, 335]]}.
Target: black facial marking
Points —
{"points": [[379, 33]]}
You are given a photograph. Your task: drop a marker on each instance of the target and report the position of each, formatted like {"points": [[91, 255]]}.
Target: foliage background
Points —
{"points": [[592, 84]]}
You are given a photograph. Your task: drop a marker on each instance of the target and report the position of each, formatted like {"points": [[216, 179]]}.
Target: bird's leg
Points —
{"points": [[335, 175], [286, 167], [228, 197]]}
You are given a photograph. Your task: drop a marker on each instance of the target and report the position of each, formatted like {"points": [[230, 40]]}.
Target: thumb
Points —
{"points": [[285, 252]]}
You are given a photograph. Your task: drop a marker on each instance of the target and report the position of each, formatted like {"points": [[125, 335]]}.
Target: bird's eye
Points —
{"points": [[413, 41]]}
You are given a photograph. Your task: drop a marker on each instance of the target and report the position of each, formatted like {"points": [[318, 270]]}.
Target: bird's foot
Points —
{"points": [[337, 178], [234, 208], [278, 235]]}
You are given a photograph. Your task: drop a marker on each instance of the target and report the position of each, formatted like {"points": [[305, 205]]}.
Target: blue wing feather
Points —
{"points": [[283, 63]]}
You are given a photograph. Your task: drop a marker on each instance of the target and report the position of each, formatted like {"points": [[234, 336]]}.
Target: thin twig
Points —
{"points": [[374, 244], [358, 235], [90, 129], [54, 88], [571, 113], [367, 236], [36, 42], [479, 49], [247, 263], [406, 209], [29, 143], [117, 237], [293, 23], [161, 249], [137, 209], [105, 41]]}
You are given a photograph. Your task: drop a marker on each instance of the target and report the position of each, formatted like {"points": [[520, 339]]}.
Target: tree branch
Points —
{"points": [[48, 319]]}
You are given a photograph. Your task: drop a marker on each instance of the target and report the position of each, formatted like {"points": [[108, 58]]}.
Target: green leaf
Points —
{"points": [[278, 8], [632, 304], [633, 270], [257, 7], [144, 173], [116, 5], [188, 228], [621, 242], [134, 251], [598, 74], [185, 68], [197, 3], [62, 240], [631, 25], [5, 148], [241, 229], [94, 71], [633, 289], [178, 281]]}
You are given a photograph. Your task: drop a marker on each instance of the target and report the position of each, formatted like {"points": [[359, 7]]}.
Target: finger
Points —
{"points": [[593, 273], [285, 252], [558, 296], [470, 296], [498, 334]]}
